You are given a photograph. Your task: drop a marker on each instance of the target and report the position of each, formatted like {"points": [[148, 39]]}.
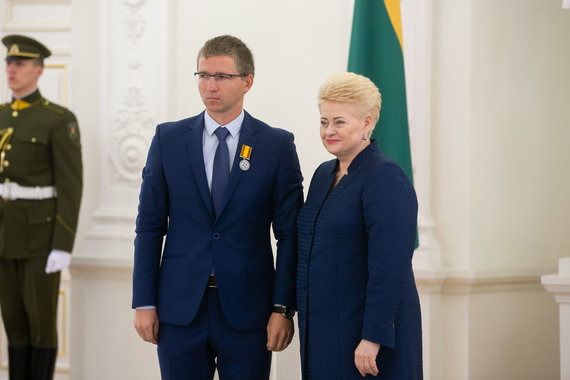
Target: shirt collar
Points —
{"points": [[31, 97], [233, 126]]}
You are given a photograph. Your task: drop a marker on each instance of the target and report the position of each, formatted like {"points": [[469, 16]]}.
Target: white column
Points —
{"points": [[133, 94], [121, 50], [417, 35], [559, 286]]}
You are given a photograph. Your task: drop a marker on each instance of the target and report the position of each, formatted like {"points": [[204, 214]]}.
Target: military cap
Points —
{"points": [[22, 47]]}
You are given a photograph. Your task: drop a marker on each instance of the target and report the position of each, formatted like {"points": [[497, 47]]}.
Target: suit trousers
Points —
{"points": [[28, 299], [194, 351]]}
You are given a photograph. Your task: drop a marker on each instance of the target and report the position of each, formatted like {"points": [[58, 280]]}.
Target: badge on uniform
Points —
{"points": [[72, 130], [245, 154]]}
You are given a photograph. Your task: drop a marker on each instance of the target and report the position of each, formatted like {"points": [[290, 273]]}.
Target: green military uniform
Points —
{"points": [[41, 185]]}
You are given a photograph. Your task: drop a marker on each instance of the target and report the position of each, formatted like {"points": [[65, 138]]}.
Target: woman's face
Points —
{"points": [[342, 131]]}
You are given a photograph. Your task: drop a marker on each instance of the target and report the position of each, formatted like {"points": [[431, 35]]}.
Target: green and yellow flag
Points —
{"points": [[376, 52]]}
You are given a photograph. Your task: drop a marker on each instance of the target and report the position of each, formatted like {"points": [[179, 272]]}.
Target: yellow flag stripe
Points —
{"points": [[393, 8]]}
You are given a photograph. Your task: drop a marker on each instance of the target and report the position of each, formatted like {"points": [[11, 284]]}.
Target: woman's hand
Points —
{"points": [[365, 357]]}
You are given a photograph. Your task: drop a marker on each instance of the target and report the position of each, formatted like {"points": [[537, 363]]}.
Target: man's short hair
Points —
{"points": [[232, 47]]}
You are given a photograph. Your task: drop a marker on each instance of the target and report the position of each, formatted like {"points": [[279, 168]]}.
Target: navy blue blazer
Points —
{"points": [[355, 278], [175, 202]]}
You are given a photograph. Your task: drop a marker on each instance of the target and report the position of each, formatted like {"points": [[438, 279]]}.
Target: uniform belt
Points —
{"points": [[11, 191], [212, 282]]}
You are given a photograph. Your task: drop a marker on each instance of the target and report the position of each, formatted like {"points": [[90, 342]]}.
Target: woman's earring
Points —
{"points": [[364, 138]]}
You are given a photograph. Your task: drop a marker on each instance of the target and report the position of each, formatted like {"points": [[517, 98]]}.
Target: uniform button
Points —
{"points": [[48, 219], [6, 163], [7, 180], [14, 113], [216, 236], [9, 146], [33, 139]]}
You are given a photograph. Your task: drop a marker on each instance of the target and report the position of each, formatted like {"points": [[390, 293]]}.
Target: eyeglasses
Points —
{"points": [[218, 77]]}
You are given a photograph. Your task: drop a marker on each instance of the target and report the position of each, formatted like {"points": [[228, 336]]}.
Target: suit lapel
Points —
{"points": [[196, 156], [326, 183], [248, 137]]}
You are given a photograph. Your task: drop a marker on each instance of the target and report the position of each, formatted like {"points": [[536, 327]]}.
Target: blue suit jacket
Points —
{"points": [[175, 202], [355, 278]]}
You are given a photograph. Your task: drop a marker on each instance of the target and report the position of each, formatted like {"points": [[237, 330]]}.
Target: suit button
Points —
{"points": [[216, 236]]}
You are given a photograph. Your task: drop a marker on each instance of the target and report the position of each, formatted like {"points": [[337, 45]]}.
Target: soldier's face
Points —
{"points": [[22, 76]]}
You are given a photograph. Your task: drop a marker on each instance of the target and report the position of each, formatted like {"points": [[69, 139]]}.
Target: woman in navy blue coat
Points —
{"points": [[359, 313]]}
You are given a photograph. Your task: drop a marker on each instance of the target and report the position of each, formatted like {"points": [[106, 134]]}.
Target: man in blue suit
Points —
{"points": [[214, 185]]}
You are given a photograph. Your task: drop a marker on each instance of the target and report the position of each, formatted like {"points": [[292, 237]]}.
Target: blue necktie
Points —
{"points": [[221, 170]]}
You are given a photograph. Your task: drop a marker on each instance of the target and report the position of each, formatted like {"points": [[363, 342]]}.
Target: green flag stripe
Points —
{"points": [[375, 52]]}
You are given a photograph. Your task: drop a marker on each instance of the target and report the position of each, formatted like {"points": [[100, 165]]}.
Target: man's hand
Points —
{"points": [[146, 324], [280, 331], [365, 357]]}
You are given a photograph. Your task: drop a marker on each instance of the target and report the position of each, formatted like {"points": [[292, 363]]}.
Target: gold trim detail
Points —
{"points": [[65, 225], [63, 344]]}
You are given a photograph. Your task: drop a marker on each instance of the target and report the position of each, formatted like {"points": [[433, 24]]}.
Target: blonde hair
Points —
{"points": [[357, 90]]}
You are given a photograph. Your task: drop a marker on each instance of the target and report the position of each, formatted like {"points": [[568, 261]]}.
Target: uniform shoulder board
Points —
{"points": [[53, 107]]}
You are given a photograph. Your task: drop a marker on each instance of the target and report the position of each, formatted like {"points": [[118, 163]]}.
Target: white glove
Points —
{"points": [[57, 261]]}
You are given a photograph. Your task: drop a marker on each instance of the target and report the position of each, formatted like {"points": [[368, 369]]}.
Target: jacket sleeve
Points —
{"points": [[390, 215], [68, 181], [151, 227], [288, 198]]}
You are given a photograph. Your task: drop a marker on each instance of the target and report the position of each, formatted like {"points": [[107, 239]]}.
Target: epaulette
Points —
{"points": [[2, 106], [53, 107]]}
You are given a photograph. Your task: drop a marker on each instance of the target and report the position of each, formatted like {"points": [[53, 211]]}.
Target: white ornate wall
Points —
{"points": [[122, 48], [488, 122]]}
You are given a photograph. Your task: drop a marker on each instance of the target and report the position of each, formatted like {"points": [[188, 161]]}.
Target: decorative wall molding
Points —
{"points": [[464, 282], [56, 76], [101, 268], [134, 21], [29, 15], [131, 136], [115, 224], [131, 97], [559, 285]]}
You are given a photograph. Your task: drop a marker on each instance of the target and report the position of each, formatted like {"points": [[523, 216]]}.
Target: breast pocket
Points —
{"points": [[35, 149]]}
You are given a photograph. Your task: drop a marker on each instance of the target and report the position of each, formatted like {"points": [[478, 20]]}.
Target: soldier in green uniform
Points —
{"points": [[40, 187]]}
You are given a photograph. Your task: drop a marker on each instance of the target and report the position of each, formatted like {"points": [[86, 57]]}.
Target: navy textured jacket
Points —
{"points": [[355, 278]]}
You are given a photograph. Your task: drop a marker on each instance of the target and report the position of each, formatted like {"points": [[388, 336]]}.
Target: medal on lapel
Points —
{"points": [[245, 154]]}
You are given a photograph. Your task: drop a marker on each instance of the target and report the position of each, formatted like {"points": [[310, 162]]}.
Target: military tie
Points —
{"points": [[221, 170], [19, 104]]}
